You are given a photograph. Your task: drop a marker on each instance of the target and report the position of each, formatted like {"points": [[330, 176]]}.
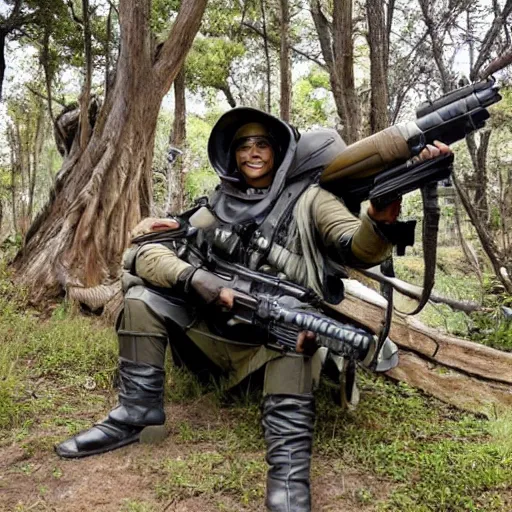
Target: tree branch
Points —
{"points": [[490, 38], [499, 63], [276, 44], [112, 6], [42, 96], [170, 61], [73, 13]]}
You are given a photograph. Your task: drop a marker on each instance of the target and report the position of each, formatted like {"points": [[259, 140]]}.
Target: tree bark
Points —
{"points": [[496, 257], [338, 52], [478, 155], [343, 51], [3, 35], [468, 375], [435, 32], [284, 60], [267, 57], [107, 50], [178, 136], [229, 95], [14, 168], [85, 97], [323, 30], [490, 38], [102, 193], [36, 153], [379, 50]]}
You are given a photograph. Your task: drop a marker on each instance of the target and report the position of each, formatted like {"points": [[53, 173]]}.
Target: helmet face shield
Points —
{"points": [[240, 123], [232, 202]]}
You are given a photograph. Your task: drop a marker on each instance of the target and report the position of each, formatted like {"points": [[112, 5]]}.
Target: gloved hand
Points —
{"points": [[211, 288]]}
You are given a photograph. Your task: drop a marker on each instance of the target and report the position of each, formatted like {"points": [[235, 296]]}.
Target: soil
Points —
{"points": [[123, 481]]}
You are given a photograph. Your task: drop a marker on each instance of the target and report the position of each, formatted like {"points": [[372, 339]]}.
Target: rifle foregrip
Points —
{"points": [[355, 339]]}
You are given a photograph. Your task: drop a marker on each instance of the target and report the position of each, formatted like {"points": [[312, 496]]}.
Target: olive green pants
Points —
{"points": [[151, 320]]}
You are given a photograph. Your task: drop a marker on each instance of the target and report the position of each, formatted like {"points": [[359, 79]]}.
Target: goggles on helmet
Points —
{"points": [[247, 143]]}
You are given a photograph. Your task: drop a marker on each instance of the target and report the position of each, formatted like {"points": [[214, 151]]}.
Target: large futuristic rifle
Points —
{"points": [[375, 168], [281, 307], [284, 309]]}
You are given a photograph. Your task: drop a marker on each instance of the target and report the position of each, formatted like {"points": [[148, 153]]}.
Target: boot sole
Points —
{"points": [[153, 434]]}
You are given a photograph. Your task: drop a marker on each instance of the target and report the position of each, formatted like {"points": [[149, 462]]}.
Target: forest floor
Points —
{"points": [[399, 451]]}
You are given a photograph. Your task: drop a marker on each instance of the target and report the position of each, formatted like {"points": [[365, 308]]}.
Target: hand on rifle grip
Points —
{"points": [[388, 214], [431, 151], [226, 298], [306, 343], [212, 288]]}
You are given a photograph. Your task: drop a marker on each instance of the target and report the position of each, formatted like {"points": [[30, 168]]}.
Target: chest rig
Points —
{"points": [[249, 243]]}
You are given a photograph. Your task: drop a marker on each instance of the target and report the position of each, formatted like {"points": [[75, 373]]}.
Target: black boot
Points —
{"points": [[288, 429], [140, 405]]}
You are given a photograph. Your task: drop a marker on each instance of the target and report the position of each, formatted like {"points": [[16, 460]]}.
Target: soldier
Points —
{"points": [[270, 216]]}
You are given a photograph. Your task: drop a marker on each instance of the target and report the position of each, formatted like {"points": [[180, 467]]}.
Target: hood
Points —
{"points": [[222, 156], [295, 156]]}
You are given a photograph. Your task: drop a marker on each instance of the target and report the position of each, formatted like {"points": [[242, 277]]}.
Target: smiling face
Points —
{"points": [[255, 160], [254, 155]]}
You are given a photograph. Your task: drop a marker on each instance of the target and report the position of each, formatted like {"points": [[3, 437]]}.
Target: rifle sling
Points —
{"points": [[430, 230], [275, 219]]}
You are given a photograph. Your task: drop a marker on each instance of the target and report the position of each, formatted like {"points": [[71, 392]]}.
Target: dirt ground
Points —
{"points": [[38, 480]]}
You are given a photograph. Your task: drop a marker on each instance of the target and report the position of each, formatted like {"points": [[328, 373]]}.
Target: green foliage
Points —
{"points": [[209, 62], [201, 178], [162, 14], [221, 19], [491, 327], [311, 100]]}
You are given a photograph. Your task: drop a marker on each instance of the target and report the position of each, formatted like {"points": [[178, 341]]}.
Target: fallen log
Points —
{"points": [[468, 375], [471, 358], [453, 387]]}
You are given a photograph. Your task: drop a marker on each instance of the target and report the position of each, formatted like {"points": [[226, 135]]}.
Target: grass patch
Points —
{"points": [[239, 475], [42, 360], [440, 459], [433, 458], [136, 506]]}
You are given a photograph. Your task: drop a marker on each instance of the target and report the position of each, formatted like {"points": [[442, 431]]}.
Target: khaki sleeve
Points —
{"points": [[159, 265], [334, 221]]}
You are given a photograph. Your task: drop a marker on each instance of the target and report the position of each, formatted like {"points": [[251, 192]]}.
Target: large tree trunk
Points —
{"points": [[268, 89], [379, 50], [284, 60], [175, 175], [3, 36], [467, 375], [343, 51], [101, 193]]}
